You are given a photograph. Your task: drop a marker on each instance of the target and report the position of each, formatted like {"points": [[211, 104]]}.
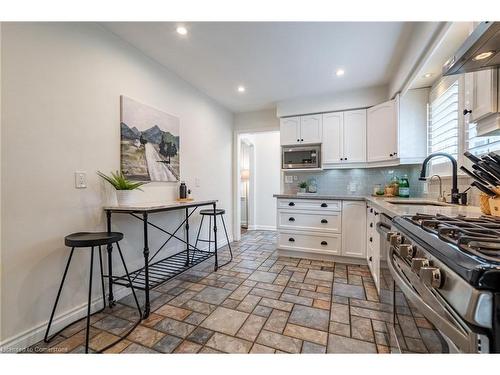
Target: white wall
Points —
{"points": [[417, 47], [360, 98], [60, 100], [267, 179], [256, 121]]}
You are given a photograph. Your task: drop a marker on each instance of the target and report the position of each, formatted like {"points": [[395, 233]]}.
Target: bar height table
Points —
{"points": [[162, 270]]}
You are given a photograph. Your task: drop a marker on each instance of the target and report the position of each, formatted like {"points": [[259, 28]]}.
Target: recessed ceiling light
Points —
{"points": [[340, 72], [484, 55], [181, 30], [241, 89], [428, 75]]}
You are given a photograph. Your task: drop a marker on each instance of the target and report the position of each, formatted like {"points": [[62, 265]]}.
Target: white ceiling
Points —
{"points": [[274, 61]]}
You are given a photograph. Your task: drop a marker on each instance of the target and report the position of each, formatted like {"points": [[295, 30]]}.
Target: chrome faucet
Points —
{"points": [[441, 197]]}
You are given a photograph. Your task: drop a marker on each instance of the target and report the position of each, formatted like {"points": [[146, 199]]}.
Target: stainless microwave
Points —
{"points": [[301, 157]]}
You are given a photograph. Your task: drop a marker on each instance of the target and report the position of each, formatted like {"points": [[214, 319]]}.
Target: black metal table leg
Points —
{"points": [[111, 298], [187, 237], [216, 266], [147, 306]]}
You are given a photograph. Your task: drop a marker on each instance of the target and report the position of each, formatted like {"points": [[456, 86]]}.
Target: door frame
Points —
{"points": [[236, 178]]}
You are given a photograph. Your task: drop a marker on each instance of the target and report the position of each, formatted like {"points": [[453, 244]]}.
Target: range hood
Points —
{"points": [[481, 50]]}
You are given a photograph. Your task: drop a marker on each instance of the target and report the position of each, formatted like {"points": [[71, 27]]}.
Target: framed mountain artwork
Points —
{"points": [[150, 142]]}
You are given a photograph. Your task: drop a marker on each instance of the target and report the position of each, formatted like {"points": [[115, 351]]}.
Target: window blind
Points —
{"points": [[443, 132], [480, 145]]}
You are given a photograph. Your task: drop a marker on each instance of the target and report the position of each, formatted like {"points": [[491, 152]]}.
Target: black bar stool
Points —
{"points": [[210, 213], [92, 240]]}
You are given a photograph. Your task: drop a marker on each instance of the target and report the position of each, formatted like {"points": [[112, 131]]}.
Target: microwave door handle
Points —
{"points": [[458, 337]]}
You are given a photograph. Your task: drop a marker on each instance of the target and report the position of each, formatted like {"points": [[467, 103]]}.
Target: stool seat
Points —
{"points": [[89, 239], [218, 211]]}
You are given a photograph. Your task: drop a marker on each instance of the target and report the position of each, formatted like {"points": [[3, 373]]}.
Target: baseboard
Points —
{"points": [[317, 256], [261, 227], [33, 335]]}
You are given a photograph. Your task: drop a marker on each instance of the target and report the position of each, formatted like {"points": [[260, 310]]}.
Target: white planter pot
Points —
{"points": [[302, 190], [125, 197]]}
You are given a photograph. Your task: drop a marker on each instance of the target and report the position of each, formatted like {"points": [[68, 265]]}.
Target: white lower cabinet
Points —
{"points": [[326, 227], [373, 244], [322, 243], [353, 229]]}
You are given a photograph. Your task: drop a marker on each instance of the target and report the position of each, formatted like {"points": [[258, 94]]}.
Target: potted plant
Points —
{"points": [[122, 185], [302, 187]]}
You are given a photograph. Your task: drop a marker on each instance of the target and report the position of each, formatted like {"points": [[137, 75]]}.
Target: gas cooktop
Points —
{"points": [[469, 246]]}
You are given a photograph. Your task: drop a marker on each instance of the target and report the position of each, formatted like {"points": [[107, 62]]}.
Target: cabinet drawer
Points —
{"points": [[320, 243], [310, 204], [329, 221]]}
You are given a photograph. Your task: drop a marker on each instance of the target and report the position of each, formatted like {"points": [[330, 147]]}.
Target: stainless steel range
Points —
{"points": [[444, 282]]}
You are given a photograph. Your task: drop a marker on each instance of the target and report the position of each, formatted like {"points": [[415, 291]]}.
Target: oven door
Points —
{"points": [[299, 157], [423, 322]]}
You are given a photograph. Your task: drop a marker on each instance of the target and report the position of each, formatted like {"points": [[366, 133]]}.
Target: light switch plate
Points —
{"points": [[80, 179], [288, 179]]}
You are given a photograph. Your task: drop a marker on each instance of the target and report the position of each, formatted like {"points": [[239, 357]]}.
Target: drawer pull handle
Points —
{"points": [[370, 259], [291, 219], [324, 243], [324, 205], [371, 210], [291, 239], [324, 221], [291, 204], [371, 239], [371, 225]]}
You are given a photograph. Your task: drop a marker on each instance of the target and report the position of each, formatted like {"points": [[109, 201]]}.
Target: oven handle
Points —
{"points": [[384, 230], [461, 340]]}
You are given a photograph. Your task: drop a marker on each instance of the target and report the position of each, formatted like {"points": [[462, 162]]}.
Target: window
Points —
{"points": [[444, 126], [480, 145]]}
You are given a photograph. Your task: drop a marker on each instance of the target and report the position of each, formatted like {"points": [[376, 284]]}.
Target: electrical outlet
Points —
{"points": [[80, 179], [288, 179], [426, 188], [295, 178]]}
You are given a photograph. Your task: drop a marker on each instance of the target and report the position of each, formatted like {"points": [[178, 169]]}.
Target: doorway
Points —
{"points": [[258, 177]]}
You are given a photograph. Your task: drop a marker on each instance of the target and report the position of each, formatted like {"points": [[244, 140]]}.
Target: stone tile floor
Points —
{"points": [[259, 303]]}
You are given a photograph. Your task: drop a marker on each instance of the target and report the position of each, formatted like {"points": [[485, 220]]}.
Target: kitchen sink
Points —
{"points": [[419, 203]]}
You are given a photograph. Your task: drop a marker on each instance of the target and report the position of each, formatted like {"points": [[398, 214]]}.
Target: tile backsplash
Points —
{"points": [[361, 181], [355, 181]]}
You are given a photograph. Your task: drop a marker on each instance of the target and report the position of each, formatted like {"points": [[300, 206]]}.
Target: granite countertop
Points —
{"points": [[383, 204]]}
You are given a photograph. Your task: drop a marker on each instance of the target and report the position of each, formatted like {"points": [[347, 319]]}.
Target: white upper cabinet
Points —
{"points": [[311, 129], [344, 137], [332, 147], [290, 131], [382, 132], [482, 91], [301, 130], [355, 136]]}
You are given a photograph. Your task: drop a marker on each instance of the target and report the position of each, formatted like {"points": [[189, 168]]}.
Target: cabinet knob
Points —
{"points": [[390, 155], [291, 204], [291, 219], [324, 205], [371, 225], [298, 140], [467, 111], [395, 153], [371, 210], [302, 140], [291, 239], [345, 158], [370, 259], [324, 221], [371, 239], [324, 243]]}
